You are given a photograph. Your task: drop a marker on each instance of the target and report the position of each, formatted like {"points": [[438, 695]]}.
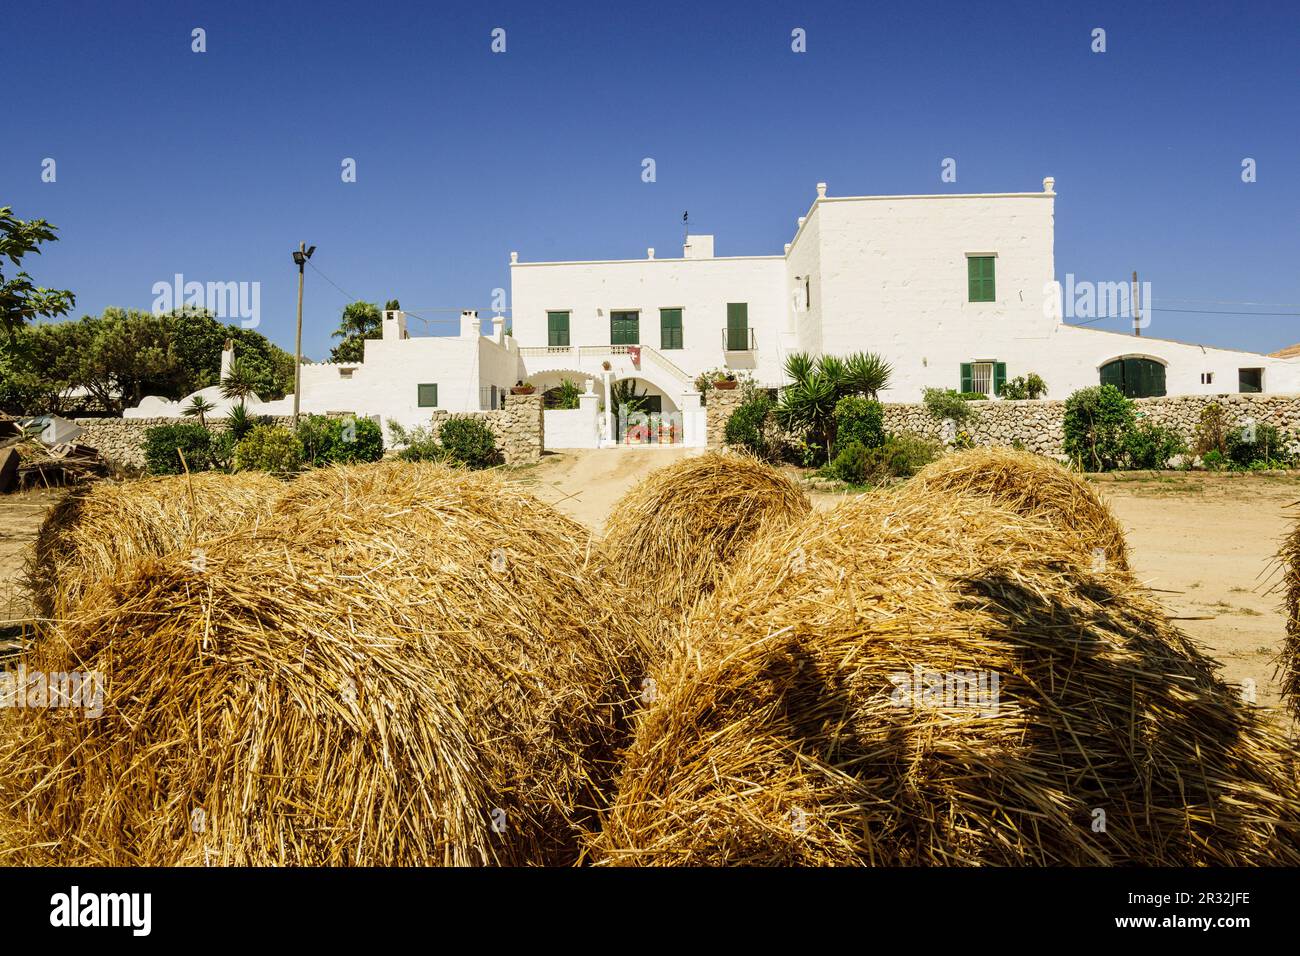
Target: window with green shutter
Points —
{"points": [[999, 377], [670, 328], [979, 278], [557, 329], [737, 326], [625, 328], [428, 396]]}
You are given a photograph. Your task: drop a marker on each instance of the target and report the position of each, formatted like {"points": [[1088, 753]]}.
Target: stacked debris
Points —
{"points": [[43, 451]]}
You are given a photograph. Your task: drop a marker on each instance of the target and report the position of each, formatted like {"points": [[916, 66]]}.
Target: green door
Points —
{"points": [[1135, 377], [737, 326]]}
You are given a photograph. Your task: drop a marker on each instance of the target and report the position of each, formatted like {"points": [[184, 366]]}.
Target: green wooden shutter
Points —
{"points": [[737, 326], [1112, 373], [557, 329], [624, 328], [980, 286], [670, 328], [427, 396], [999, 377], [965, 377]]}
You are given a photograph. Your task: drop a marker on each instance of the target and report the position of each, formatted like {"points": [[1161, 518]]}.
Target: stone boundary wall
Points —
{"points": [[1037, 424], [120, 441], [519, 428], [722, 404]]}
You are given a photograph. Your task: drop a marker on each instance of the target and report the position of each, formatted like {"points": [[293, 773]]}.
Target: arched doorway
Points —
{"points": [[1135, 375]]}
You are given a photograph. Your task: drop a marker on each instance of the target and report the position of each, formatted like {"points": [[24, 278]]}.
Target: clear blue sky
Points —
{"points": [[215, 165]]}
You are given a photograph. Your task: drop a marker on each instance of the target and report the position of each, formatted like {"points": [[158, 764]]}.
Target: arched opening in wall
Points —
{"points": [[644, 414], [1137, 376]]}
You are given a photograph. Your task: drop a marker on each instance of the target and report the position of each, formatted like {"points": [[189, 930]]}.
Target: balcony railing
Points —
{"points": [[738, 340]]}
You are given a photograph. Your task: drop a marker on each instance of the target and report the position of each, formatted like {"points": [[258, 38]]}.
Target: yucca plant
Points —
{"points": [[866, 373], [808, 403], [239, 383]]}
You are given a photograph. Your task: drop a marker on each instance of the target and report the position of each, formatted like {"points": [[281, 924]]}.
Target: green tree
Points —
{"points": [[360, 321], [129, 356], [199, 339], [20, 300], [1096, 424]]}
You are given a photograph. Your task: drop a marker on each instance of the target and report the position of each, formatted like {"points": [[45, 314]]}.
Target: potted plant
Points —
{"points": [[725, 382], [521, 388]]}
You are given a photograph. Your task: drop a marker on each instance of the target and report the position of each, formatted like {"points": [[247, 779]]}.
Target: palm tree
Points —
{"points": [[623, 393], [239, 382], [199, 406]]}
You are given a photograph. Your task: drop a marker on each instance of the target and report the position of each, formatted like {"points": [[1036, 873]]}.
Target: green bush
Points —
{"points": [[1151, 446], [1213, 460], [269, 448], [419, 443], [327, 441], [860, 420], [749, 425], [945, 403], [1265, 449], [1096, 424], [470, 442], [899, 456], [1024, 386], [162, 442]]}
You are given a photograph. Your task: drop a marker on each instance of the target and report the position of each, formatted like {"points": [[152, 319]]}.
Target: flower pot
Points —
{"points": [[522, 389], [725, 385]]}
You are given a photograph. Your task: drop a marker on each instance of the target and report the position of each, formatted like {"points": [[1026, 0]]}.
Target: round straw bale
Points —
{"points": [[672, 536], [1031, 485], [943, 682], [93, 532], [411, 666], [1289, 663]]}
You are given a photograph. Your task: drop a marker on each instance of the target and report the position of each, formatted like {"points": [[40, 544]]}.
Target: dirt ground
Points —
{"points": [[1203, 542]]}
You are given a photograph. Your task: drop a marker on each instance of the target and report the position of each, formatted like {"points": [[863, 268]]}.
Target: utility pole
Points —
{"points": [[1137, 306], [300, 255]]}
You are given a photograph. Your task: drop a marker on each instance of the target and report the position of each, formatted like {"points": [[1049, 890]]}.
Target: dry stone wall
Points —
{"points": [[722, 403], [120, 441], [519, 428], [1037, 425]]}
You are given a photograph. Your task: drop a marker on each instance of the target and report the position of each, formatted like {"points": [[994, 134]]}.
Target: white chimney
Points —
{"points": [[698, 247], [394, 326], [514, 257], [1049, 185], [821, 190], [499, 328], [650, 253], [227, 359], [469, 324]]}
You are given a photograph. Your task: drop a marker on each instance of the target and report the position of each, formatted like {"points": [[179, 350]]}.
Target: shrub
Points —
{"points": [[1211, 431], [1265, 448], [1151, 446], [1096, 424], [339, 440], [269, 448], [162, 442], [562, 396], [1024, 386], [420, 443], [470, 442], [1213, 460], [860, 420], [239, 422], [749, 425], [945, 403], [899, 456], [223, 450]]}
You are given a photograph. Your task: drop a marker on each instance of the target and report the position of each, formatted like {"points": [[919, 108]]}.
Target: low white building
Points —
{"points": [[954, 291]]}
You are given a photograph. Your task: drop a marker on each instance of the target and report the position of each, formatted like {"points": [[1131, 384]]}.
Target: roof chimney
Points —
{"points": [[469, 324], [1049, 185], [821, 190], [698, 247]]}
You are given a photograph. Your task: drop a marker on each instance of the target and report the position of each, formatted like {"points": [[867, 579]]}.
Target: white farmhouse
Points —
{"points": [[954, 291]]}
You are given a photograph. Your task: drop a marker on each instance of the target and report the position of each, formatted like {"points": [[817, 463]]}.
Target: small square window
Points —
{"points": [[428, 395], [1207, 378], [1250, 380]]}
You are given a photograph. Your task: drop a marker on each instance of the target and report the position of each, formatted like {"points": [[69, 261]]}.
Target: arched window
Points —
{"points": [[1134, 376]]}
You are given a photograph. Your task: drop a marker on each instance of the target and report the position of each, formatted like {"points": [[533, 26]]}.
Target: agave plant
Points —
{"points": [[866, 373]]}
